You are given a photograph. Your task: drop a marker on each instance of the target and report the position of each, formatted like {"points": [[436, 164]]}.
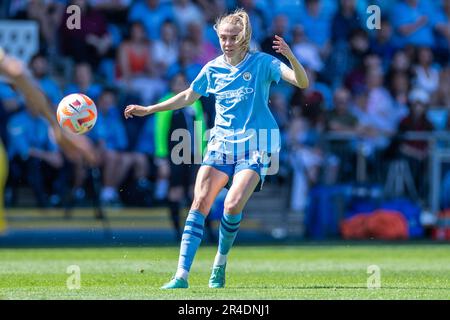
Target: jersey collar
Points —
{"points": [[247, 55]]}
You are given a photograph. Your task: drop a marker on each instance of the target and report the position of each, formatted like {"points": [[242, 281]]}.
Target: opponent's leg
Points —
{"points": [[244, 183], [208, 184]]}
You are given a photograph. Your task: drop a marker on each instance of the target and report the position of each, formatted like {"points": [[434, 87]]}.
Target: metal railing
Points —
{"points": [[438, 154]]}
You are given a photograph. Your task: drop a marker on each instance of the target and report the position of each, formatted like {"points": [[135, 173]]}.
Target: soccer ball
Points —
{"points": [[77, 113]]}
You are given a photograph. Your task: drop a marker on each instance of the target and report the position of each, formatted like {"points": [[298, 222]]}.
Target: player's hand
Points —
{"points": [[280, 46], [136, 110]]}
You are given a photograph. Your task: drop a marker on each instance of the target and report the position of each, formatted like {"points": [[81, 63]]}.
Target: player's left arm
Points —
{"points": [[297, 75]]}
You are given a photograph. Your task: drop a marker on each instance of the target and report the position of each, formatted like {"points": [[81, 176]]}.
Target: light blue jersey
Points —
{"points": [[243, 120]]}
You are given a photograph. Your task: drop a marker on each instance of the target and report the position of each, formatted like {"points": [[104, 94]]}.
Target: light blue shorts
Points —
{"points": [[232, 164]]}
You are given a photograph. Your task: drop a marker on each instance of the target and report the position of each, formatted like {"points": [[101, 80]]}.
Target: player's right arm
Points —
{"points": [[181, 100]]}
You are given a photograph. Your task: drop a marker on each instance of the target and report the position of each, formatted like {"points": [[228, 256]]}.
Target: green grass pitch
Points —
{"points": [[262, 272]]}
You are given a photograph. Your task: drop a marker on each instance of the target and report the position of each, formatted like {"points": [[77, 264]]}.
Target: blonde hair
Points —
{"points": [[241, 19]]}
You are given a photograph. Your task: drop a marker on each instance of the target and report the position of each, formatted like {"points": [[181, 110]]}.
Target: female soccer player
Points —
{"points": [[240, 80]]}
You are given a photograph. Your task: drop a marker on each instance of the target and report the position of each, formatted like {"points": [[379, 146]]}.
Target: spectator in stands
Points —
{"points": [[116, 11], [110, 136], [306, 52], [34, 158], [383, 43], [416, 151], [321, 87], [346, 56], [165, 51], [357, 77], [152, 14], [305, 157], [401, 62], [89, 43], [137, 71], [280, 110], [186, 12], [412, 24], [83, 82], [204, 50], [39, 69], [443, 94], [48, 15], [212, 9], [374, 131], [291, 9], [399, 87], [442, 31], [140, 151], [143, 151], [186, 63], [345, 20], [317, 23], [379, 101], [279, 27], [340, 120], [426, 74], [279, 106], [134, 54], [311, 103]]}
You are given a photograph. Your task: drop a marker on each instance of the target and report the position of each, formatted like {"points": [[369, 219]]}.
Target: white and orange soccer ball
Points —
{"points": [[77, 113]]}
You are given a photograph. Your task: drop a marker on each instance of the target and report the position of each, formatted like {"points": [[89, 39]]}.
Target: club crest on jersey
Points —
{"points": [[247, 76]]}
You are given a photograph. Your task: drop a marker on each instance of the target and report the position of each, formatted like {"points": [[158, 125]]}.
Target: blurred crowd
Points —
{"points": [[367, 86]]}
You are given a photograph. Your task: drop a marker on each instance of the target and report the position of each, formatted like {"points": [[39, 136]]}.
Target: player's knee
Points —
{"points": [[233, 204]]}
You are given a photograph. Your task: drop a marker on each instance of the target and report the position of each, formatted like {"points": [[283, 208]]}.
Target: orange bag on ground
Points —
{"points": [[387, 225], [380, 224], [355, 227]]}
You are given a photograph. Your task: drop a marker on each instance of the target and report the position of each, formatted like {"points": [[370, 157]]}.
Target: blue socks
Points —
{"points": [[229, 227], [192, 236]]}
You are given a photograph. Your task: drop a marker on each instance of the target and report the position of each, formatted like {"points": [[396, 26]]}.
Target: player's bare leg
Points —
{"points": [[244, 183], [208, 184]]}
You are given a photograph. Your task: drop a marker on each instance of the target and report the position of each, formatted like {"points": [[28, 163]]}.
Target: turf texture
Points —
{"points": [[253, 272]]}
